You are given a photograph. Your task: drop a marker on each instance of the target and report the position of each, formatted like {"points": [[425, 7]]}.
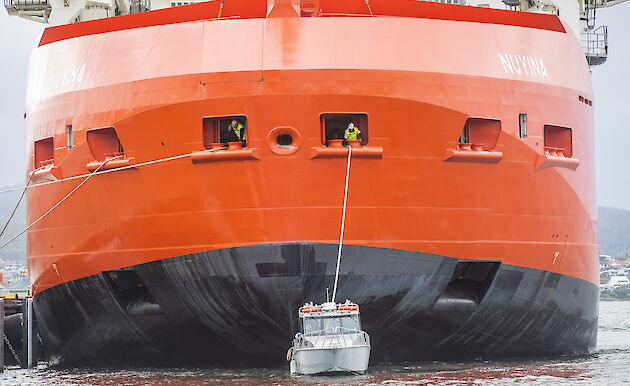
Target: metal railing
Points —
{"points": [[595, 45], [16, 4], [333, 338]]}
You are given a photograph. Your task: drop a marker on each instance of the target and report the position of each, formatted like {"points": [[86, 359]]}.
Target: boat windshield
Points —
{"points": [[331, 324], [311, 325], [350, 322]]}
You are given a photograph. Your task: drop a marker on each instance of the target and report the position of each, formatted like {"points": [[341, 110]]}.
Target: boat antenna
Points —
{"points": [[327, 295], [343, 223]]}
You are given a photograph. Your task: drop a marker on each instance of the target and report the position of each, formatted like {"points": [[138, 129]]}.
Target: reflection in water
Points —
{"points": [[608, 365]]}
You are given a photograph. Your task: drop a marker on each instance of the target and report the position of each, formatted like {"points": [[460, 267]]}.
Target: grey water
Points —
{"points": [[608, 365]]}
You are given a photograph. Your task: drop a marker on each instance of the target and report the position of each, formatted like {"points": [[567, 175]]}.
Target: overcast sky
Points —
{"points": [[610, 82], [611, 85], [17, 37]]}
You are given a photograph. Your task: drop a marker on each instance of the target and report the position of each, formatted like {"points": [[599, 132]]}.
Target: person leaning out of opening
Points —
{"points": [[236, 132], [352, 133]]}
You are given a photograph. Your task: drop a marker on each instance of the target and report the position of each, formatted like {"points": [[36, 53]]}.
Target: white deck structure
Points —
{"points": [[616, 282]]}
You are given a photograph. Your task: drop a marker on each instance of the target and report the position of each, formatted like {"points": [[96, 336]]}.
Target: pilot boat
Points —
{"points": [[331, 340]]}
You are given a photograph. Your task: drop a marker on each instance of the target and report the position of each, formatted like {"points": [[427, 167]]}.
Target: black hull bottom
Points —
{"points": [[239, 306]]}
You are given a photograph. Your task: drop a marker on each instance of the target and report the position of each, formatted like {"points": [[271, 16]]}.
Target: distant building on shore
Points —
{"points": [[616, 282], [609, 267]]}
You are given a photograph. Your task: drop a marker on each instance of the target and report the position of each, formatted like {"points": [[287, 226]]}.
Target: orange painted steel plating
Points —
{"points": [[418, 79]]}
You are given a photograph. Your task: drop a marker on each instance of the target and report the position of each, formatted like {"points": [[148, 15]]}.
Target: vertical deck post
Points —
{"points": [[27, 333], [2, 334], [29, 336]]}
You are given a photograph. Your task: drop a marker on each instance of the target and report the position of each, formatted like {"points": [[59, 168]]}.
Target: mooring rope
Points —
{"points": [[132, 166], [343, 223], [87, 177], [6, 225], [60, 202], [367, 2], [220, 9], [100, 172]]}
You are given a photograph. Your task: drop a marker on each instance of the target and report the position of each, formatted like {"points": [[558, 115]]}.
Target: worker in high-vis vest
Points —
{"points": [[352, 133], [238, 129]]}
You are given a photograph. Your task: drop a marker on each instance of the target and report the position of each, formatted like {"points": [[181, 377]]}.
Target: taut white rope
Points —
{"points": [[6, 225], [133, 166], [343, 223], [59, 203], [88, 176]]}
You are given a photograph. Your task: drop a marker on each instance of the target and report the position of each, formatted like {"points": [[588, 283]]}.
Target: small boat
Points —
{"points": [[331, 340]]}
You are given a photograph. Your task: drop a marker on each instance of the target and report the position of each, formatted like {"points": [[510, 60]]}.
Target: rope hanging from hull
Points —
{"points": [[220, 9], [367, 2], [134, 166], [30, 178], [102, 172], [343, 223], [88, 176], [17, 205], [60, 202]]}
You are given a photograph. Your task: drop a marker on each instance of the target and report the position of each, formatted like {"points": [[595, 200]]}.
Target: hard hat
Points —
{"points": [[234, 122], [350, 125]]}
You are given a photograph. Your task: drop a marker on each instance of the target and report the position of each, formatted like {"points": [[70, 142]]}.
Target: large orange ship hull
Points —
{"points": [[448, 251]]}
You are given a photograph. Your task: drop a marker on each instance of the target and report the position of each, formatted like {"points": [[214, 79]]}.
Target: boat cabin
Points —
{"points": [[329, 318]]}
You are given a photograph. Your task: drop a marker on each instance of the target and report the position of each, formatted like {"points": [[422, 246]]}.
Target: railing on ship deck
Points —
{"points": [[14, 4], [337, 335], [326, 14], [595, 44]]}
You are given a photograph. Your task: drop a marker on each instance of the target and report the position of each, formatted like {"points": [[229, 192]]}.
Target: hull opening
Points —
{"points": [[470, 281], [131, 293]]}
